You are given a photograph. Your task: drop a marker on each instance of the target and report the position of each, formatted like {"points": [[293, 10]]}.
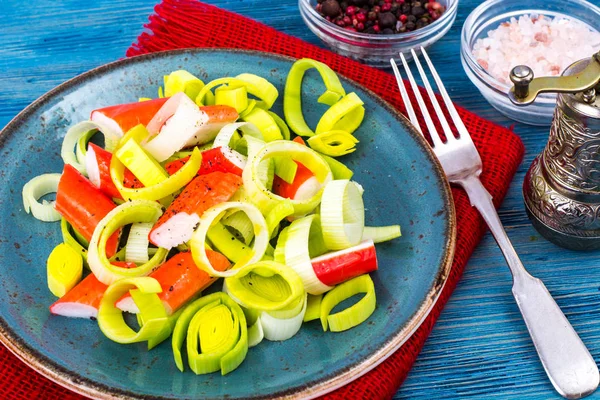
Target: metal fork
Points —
{"points": [[565, 358]]}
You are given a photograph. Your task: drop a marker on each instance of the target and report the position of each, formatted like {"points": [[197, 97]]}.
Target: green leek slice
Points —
{"points": [[217, 336], [333, 143], [182, 81], [37, 187], [265, 286], [160, 190], [313, 307], [136, 249], [380, 234], [71, 240], [240, 223], [264, 90], [213, 215], [83, 129], [165, 332], [255, 334], [251, 106], [265, 124], [291, 310], [126, 213], [292, 99], [81, 146], [263, 93], [64, 269], [227, 243], [279, 253], [338, 170], [145, 168], [351, 316], [285, 168], [277, 214], [236, 97], [342, 214], [110, 318], [264, 199], [279, 328], [225, 135], [347, 115], [285, 131]]}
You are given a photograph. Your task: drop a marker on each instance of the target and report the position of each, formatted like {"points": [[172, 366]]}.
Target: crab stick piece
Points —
{"points": [[340, 266], [216, 159], [181, 123], [97, 162], [122, 117], [181, 280], [83, 205], [304, 186], [178, 222], [84, 299]]}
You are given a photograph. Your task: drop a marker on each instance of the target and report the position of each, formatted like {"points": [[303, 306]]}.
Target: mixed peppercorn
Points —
{"points": [[380, 16]]}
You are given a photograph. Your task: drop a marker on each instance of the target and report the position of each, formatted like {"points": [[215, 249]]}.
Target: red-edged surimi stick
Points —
{"points": [[97, 163], [180, 280], [178, 222], [216, 159], [83, 205], [340, 266], [122, 117], [84, 299], [304, 186], [181, 123]]}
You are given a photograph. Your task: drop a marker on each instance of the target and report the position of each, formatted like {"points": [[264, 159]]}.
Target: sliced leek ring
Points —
{"points": [[279, 328], [154, 316], [127, 213], [213, 215], [292, 99], [218, 324], [353, 315], [265, 286], [342, 214], [297, 254], [266, 200], [34, 189]]}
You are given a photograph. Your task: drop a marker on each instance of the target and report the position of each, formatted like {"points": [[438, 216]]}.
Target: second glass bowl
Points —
{"points": [[371, 49], [489, 15]]}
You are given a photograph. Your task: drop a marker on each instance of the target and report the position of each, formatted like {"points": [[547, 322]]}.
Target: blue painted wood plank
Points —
{"points": [[479, 348]]}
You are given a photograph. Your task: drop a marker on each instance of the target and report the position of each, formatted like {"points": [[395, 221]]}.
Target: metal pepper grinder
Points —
{"points": [[562, 187]]}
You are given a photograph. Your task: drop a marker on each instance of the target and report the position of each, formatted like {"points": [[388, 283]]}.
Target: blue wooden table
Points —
{"points": [[479, 347]]}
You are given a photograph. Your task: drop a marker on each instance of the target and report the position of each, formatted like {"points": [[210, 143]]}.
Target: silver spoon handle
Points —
{"points": [[568, 363]]}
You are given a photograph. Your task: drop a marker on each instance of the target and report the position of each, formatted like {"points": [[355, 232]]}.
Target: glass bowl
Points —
{"points": [[371, 49], [489, 15]]}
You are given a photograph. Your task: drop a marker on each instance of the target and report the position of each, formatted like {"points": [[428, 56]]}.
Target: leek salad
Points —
{"points": [[207, 182]]}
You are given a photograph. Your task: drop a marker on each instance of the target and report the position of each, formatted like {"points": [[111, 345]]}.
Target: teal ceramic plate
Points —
{"points": [[403, 184]]}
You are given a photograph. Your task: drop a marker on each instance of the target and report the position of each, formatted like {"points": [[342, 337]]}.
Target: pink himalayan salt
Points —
{"points": [[547, 45]]}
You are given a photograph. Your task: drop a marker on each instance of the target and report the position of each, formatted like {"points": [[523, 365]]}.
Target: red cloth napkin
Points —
{"points": [[188, 23]]}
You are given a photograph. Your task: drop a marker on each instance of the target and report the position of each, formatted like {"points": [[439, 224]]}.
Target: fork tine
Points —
{"points": [[460, 127], [405, 99], [434, 102], [435, 137]]}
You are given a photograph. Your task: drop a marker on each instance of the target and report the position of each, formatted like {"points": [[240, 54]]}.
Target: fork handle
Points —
{"points": [[568, 363]]}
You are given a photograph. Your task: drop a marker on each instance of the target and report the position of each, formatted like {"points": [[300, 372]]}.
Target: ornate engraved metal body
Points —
{"points": [[562, 187]]}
